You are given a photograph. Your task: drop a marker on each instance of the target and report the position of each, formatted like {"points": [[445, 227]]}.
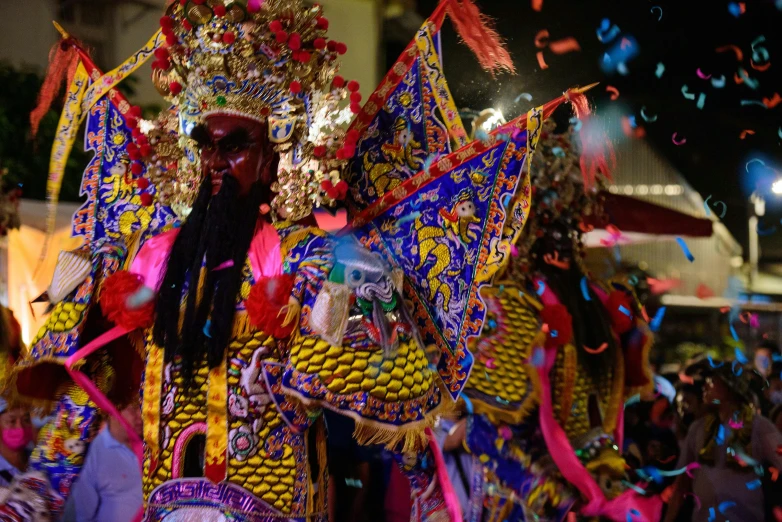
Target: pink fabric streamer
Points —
{"points": [[451, 500]]}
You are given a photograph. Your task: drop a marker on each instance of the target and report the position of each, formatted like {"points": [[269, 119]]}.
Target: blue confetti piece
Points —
{"points": [[527, 96], [554, 334], [619, 54], [744, 103], [712, 515], [607, 32], [711, 362], [737, 369], [410, 217], [750, 162], [718, 83], [734, 9], [541, 287], [633, 513], [724, 506], [658, 319], [634, 488], [208, 328], [633, 123], [578, 123], [701, 101], [733, 333], [634, 399], [648, 119], [660, 17], [706, 206], [740, 357], [585, 289], [753, 485], [776, 357], [660, 70], [624, 310], [685, 249], [467, 403], [558, 152], [538, 357], [720, 439], [622, 69], [686, 93], [749, 82]]}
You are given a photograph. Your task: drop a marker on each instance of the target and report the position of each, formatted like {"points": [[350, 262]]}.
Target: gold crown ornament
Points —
{"points": [[268, 60]]}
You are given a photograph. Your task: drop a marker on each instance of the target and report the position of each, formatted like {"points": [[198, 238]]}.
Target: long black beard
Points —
{"points": [[219, 229], [591, 323]]}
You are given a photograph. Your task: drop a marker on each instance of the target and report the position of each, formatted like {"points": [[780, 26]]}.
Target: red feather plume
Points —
{"points": [[622, 322], [265, 304], [560, 325], [63, 60], [118, 288], [477, 31]]}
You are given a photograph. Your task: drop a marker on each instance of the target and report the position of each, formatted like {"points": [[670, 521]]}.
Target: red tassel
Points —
{"points": [[118, 288], [594, 143], [560, 325], [63, 60], [620, 310], [477, 31], [265, 305]]}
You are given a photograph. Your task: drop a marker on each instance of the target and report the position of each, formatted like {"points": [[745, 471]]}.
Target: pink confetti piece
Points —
{"points": [[490, 364], [691, 467], [677, 141], [702, 75]]}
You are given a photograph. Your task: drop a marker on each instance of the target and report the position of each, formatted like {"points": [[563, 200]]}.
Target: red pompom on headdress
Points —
{"points": [[560, 325], [266, 305], [126, 302], [621, 311], [63, 61]]}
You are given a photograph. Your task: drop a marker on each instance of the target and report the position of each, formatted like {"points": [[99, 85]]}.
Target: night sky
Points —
{"points": [[714, 158]]}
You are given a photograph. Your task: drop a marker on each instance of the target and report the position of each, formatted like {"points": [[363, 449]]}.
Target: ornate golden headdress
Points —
{"points": [[266, 60]]}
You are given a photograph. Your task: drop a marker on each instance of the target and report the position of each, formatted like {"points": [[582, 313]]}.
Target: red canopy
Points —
{"points": [[635, 215]]}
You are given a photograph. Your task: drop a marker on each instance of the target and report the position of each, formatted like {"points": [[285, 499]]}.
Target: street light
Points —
{"points": [[776, 187]]}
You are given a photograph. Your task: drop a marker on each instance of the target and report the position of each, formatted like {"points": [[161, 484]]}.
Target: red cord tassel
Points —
{"points": [[477, 31], [63, 60], [594, 143]]}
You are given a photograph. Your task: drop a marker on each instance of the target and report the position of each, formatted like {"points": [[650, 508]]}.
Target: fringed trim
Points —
{"points": [[242, 325], [412, 439], [616, 400], [569, 370]]}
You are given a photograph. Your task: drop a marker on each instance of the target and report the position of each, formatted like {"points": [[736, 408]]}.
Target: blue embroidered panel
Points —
{"points": [[446, 237]]}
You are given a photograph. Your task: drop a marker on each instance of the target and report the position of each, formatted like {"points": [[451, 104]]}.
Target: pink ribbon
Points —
{"points": [[99, 398], [449, 495]]}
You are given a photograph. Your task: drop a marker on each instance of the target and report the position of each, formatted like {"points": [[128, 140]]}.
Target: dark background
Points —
{"points": [[714, 158]]}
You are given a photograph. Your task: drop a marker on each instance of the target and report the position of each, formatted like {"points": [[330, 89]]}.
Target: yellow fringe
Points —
{"points": [[616, 400], [570, 363]]}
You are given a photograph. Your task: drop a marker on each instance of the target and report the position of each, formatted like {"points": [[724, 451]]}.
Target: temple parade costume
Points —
{"points": [[544, 435], [202, 287]]}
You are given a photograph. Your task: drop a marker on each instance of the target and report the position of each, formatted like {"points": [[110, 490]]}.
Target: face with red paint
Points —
{"points": [[237, 147]]}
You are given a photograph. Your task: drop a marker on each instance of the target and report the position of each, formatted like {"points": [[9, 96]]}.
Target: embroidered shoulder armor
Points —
{"points": [[356, 350]]}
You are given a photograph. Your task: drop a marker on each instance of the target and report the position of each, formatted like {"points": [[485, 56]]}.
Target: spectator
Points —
{"points": [[689, 406], [109, 485], [16, 432], [764, 356], [728, 443]]}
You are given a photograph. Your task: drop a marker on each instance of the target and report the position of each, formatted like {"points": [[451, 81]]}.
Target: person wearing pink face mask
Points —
{"points": [[16, 432]]}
